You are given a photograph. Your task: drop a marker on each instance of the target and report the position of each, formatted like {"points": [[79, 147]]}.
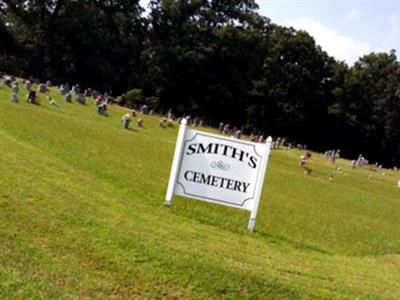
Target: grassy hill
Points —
{"points": [[82, 217]]}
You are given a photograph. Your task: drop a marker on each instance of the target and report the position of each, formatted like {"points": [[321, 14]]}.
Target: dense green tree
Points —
{"points": [[211, 58], [366, 106], [290, 96], [95, 43], [203, 54]]}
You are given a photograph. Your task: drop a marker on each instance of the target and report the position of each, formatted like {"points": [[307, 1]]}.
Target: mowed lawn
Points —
{"points": [[82, 216]]}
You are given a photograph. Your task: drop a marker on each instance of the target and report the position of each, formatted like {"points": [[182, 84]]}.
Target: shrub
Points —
{"points": [[133, 97]]}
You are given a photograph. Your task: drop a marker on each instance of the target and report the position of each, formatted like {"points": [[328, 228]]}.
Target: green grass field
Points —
{"points": [[82, 216]]}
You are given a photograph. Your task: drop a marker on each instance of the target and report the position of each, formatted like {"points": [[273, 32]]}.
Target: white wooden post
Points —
{"points": [[175, 163], [259, 187]]}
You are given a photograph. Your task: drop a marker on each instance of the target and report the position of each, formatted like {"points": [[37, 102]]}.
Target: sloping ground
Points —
{"points": [[82, 216]]}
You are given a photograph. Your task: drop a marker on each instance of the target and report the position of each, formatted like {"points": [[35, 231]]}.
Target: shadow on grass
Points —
{"points": [[131, 129], [198, 215], [298, 245], [34, 103]]}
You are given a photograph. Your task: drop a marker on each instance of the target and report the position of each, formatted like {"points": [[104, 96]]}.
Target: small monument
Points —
{"points": [[42, 88]]}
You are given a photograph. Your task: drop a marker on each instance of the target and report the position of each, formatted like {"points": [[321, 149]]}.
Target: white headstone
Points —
{"points": [[28, 86]]}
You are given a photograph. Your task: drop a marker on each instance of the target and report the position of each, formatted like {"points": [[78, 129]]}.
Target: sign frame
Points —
{"points": [[176, 165]]}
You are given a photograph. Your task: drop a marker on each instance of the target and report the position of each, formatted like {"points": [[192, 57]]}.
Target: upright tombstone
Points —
{"points": [[48, 83], [221, 127], [75, 89], [62, 89], [32, 97], [88, 93], [219, 170], [67, 88], [144, 109], [28, 86], [96, 94], [80, 98], [14, 98], [238, 134], [68, 97], [42, 88], [15, 87], [7, 82]]}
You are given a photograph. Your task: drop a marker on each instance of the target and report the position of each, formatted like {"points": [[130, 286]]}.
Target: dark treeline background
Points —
{"points": [[217, 59]]}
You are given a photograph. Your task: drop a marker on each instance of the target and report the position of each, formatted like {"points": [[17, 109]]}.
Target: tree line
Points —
{"points": [[216, 59]]}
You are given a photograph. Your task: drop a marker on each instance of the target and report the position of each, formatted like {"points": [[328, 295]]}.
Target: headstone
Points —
{"points": [[28, 86], [48, 83], [42, 88], [62, 90], [144, 109], [126, 119], [68, 97], [32, 96], [75, 89], [278, 142], [14, 98], [102, 109], [163, 122], [96, 94], [303, 163], [80, 98], [353, 164], [226, 129], [15, 87], [238, 134], [283, 142], [221, 127], [87, 93]]}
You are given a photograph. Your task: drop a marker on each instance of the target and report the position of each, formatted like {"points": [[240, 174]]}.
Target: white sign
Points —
{"points": [[217, 169]]}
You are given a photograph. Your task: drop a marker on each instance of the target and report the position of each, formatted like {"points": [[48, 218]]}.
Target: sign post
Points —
{"points": [[219, 170], [175, 162], [253, 214]]}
